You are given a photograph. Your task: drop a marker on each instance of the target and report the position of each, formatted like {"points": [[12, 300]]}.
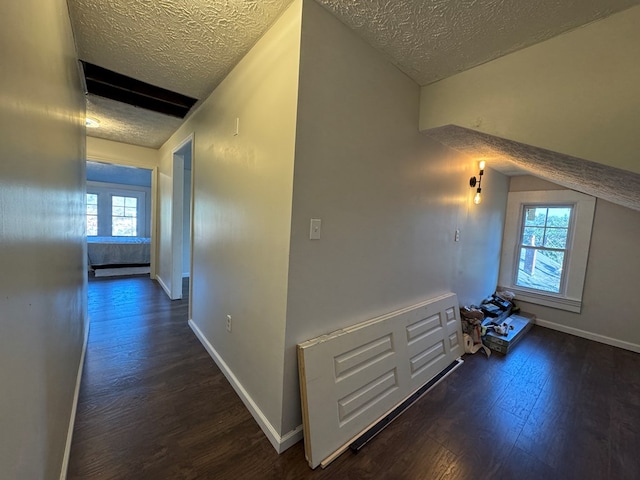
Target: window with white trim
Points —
{"points": [[545, 247], [124, 216], [116, 210]]}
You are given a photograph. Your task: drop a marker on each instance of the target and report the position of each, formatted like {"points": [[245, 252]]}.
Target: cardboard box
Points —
{"points": [[521, 324]]}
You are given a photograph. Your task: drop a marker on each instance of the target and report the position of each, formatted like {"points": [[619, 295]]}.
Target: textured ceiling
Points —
{"points": [[188, 46], [184, 46], [434, 39], [121, 122], [617, 186]]}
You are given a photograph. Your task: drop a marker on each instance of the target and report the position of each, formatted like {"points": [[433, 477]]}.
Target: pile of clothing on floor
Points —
{"points": [[474, 327]]}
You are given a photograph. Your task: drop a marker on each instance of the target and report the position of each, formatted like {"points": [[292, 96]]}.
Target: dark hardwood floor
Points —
{"points": [[153, 405]]}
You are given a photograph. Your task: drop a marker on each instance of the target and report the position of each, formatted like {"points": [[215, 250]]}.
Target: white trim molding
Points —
{"points": [[74, 405], [614, 342], [279, 442], [163, 285]]}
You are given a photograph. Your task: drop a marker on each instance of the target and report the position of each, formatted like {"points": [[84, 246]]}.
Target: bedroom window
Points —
{"points": [[124, 216], [92, 214], [543, 250], [545, 247], [117, 210]]}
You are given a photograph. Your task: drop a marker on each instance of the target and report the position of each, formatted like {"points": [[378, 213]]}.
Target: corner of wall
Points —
{"points": [[390, 199], [242, 217]]}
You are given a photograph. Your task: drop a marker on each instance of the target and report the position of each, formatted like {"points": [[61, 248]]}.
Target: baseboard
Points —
{"points": [[163, 285], [614, 342], [74, 405], [279, 442], [121, 271]]}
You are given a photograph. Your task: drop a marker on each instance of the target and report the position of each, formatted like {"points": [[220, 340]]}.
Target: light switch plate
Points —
{"points": [[314, 229]]}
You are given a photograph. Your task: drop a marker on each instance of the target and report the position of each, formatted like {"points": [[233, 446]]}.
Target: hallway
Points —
{"points": [[153, 405]]}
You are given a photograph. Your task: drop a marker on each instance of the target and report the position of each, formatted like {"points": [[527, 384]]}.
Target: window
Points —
{"points": [[92, 214], [544, 236], [124, 214], [545, 247], [115, 210]]}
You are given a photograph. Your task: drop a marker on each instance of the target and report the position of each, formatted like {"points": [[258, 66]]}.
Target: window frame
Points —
{"points": [[570, 296]]}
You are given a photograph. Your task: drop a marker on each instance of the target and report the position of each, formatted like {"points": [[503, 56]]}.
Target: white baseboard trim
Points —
{"points": [[120, 271], [289, 439], [279, 442], [614, 342], [74, 405], [163, 285]]}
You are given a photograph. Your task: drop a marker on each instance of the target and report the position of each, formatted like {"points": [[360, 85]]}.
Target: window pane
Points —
{"points": [[130, 202], [540, 269], [92, 225], [559, 217], [92, 214], [556, 238], [535, 216], [117, 201], [130, 212], [123, 227], [533, 236], [117, 211]]}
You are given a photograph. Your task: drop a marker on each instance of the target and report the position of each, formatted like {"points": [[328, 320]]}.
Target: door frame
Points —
{"points": [[177, 218]]}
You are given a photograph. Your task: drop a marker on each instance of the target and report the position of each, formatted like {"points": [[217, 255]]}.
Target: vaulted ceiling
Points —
{"points": [[189, 46]]}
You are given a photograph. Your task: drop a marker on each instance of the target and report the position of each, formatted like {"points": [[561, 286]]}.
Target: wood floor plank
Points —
{"points": [[153, 405], [522, 466]]}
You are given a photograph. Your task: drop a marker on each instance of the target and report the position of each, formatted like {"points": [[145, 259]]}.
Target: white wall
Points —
{"points": [[186, 224], [163, 227], [576, 93], [108, 151], [242, 210], [610, 297], [42, 253], [389, 198]]}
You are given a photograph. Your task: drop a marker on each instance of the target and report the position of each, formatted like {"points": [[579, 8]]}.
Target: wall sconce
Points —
{"points": [[473, 181], [91, 123]]}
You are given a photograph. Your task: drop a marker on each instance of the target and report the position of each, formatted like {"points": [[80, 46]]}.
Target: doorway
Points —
{"points": [[181, 217], [119, 219]]}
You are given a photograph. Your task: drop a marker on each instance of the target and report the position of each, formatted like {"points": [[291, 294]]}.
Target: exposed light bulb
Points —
{"points": [[482, 164], [477, 199]]}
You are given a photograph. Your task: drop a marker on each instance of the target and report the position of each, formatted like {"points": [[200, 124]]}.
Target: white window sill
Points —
{"points": [[546, 299]]}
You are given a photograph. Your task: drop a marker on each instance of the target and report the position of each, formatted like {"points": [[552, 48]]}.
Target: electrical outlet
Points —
{"points": [[229, 323]]}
